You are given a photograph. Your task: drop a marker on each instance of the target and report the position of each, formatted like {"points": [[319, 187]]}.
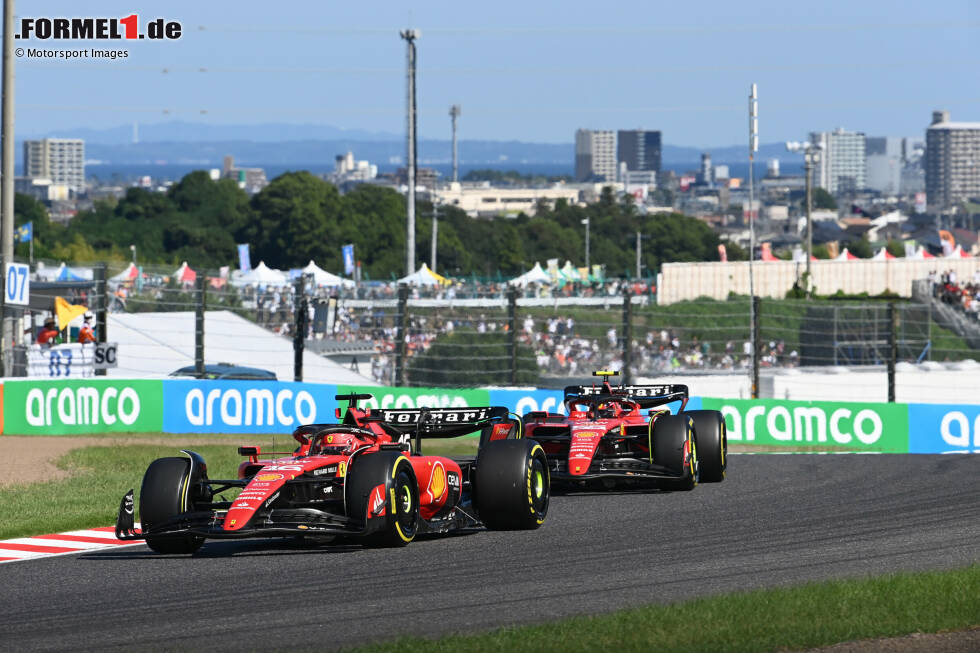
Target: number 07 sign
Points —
{"points": [[17, 283]]}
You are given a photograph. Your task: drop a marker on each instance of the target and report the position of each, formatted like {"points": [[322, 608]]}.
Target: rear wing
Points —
{"points": [[492, 423], [646, 396]]}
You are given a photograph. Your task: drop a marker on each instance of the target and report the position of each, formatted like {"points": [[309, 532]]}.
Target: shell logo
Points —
{"points": [[268, 477], [437, 482]]}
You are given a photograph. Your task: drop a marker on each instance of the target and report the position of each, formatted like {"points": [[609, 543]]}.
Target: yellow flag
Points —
{"points": [[67, 312]]}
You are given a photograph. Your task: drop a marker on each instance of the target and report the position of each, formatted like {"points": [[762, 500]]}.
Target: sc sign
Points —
{"points": [[17, 286], [105, 355]]}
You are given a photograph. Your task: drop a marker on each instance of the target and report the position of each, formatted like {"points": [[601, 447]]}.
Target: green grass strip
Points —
{"points": [[807, 616]]}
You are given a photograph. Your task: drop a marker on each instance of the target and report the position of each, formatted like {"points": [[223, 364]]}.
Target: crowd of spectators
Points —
{"points": [[961, 294]]}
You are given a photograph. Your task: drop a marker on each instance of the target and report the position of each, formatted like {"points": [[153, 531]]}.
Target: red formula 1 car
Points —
{"points": [[606, 437], [364, 477]]}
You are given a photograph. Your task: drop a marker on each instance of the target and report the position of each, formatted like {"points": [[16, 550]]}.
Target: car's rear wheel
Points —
{"points": [[391, 475], [675, 448], [167, 491], [512, 486], [711, 437]]}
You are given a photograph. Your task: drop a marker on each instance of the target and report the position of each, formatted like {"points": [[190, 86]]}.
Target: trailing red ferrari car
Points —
{"points": [[365, 477], [607, 437]]}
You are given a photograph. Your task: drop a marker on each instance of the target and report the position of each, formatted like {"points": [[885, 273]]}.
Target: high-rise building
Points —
{"points": [[884, 160], [841, 167], [595, 155], [62, 160], [638, 149], [952, 162]]}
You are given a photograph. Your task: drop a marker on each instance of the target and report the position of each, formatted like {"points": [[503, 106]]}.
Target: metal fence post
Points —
{"points": [[199, 305], [101, 307], [402, 318], [300, 319], [756, 344], [627, 337], [512, 332], [892, 349]]}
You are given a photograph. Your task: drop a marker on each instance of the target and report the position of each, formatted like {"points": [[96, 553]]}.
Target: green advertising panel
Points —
{"points": [[394, 397], [82, 406], [827, 425]]}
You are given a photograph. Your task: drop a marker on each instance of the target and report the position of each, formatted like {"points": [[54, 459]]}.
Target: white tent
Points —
{"points": [[129, 274], [262, 275], [185, 274], [882, 255], [323, 278], [421, 277], [958, 253], [534, 275], [569, 272]]}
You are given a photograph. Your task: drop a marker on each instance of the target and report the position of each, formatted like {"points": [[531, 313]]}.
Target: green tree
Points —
{"points": [[860, 248], [296, 220], [822, 200]]}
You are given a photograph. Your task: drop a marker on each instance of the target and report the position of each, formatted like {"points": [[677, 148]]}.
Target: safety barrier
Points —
{"points": [[92, 405]]}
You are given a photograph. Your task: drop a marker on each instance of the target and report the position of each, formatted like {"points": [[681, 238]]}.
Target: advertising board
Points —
{"points": [[944, 428], [36, 407], [212, 406], [822, 424]]}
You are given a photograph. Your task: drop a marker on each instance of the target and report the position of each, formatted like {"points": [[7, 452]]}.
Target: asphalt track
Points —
{"points": [[777, 520]]}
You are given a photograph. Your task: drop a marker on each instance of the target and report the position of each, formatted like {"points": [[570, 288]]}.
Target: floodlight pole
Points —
{"points": [[586, 222], [753, 148], [410, 35], [7, 172]]}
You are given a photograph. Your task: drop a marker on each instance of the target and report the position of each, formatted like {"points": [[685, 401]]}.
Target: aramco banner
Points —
{"points": [[82, 406], [195, 406], [825, 425]]}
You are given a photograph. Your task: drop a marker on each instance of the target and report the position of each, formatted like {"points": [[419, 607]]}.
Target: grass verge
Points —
{"points": [[808, 616]]}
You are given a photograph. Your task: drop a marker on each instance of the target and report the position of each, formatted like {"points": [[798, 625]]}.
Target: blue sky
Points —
{"points": [[530, 71]]}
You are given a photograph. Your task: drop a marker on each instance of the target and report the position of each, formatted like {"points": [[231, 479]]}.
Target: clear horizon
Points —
{"points": [[526, 72]]}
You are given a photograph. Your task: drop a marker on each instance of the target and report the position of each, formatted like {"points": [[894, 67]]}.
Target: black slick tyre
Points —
{"points": [[400, 500], [167, 491], [512, 486], [675, 448], [711, 437]]}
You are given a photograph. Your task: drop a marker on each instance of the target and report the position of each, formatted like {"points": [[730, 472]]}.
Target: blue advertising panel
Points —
{"points": [[525, 401], [944, 428], [210, 406]]}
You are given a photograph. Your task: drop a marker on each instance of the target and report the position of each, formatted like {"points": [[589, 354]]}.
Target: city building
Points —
{"points": [[952, 162], [348, 173], [61, 160], [251, 179], [482, 199], [595, 155], [705, 175], [638, 149], [841, 168], [884, 160]]}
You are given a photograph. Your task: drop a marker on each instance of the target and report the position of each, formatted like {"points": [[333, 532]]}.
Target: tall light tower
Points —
{"points": [[454, 112], [7, 169], [753, 148], [410, 35], [811, 156], [587, 223]]}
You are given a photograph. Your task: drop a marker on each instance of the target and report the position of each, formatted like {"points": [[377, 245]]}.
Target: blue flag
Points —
{"points": [[348, 251], [244, 261], [25, 232]]}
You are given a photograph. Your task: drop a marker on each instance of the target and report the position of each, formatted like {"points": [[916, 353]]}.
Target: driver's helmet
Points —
{"points": [[606, 409], [334, 443]]}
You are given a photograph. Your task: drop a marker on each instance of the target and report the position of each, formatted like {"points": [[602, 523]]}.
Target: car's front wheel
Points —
{"points": [[167, 491]]}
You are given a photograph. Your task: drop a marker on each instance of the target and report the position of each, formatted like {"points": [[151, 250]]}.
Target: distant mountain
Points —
{"points": [[181, 142]]}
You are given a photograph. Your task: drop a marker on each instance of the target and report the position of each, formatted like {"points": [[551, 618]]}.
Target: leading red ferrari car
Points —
{"points": [[364, 477], [607, 437]]}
